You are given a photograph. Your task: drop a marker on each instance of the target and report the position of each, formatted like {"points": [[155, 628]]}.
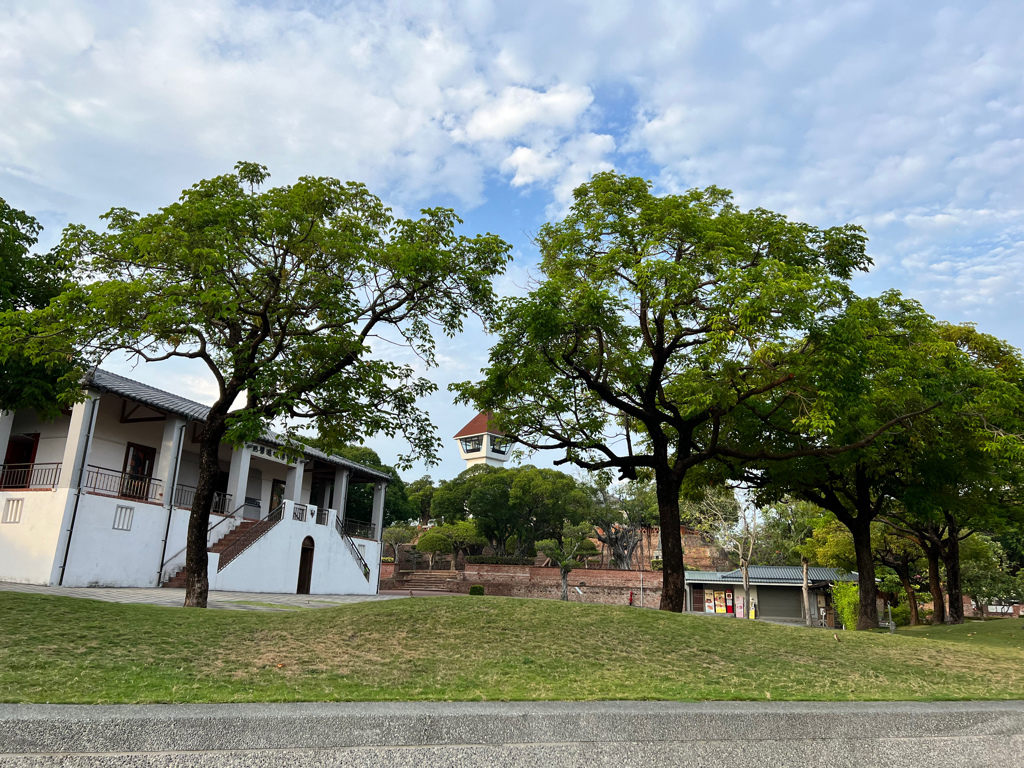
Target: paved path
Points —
{"points": [[238, 601], [585, 734]]}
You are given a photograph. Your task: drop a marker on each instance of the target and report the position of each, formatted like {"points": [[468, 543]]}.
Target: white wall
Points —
{"points": [[178, 535], [28, 549], [272, 563], [103, 557]]}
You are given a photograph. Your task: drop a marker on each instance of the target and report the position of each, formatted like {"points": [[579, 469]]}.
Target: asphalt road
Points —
{"points": [[550, 734]]}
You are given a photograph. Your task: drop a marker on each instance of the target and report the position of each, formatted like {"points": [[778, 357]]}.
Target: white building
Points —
{"points": [[480, 443], [101, 497]]}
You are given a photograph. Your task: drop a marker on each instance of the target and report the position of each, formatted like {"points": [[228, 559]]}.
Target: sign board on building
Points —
{"points": [[719, 601], [709, 602]]}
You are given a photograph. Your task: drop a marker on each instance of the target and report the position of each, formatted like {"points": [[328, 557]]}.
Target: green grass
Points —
{"points": [[450, 648], [997, 633]]}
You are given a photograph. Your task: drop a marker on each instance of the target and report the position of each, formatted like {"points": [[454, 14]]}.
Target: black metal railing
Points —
{"points": [[299, 512], [184, 495], [213, 525], [29, 476], [322, 515], [360, 529], [250, 537], [122, 485], [340, 527]]}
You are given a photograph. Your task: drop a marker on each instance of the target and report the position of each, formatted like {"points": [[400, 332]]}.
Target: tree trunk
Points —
{"points": [[197, 580], [806, 591], [673, 577], [908, 587], [954, 584], [745, 570], [565, 583], [935, 585], [868, 618]]}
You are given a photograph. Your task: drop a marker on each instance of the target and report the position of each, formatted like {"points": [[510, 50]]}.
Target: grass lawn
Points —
{"points": [[60, 649], [994, 633]]}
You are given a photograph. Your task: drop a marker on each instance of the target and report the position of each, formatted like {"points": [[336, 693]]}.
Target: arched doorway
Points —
{"points": [[305, 566]]}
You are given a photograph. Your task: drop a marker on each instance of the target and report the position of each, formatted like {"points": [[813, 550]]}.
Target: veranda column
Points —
{"points": [[293, 481], [379, 489], [340, 500], [238, 475], [167, 457], [6, 422], [83, 421]]}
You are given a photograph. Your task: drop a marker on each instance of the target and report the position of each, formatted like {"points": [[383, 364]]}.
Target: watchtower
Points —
{"points": [[480, 443]]}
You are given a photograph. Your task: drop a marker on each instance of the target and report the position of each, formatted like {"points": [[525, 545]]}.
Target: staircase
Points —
{"points": [[437, 580], [177, 579]]}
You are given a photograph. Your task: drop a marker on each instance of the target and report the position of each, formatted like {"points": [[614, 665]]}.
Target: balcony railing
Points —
{"points": [[299, 512], [122, 485], [322, 515], [360, 529], [29, 476], [184, 495]]}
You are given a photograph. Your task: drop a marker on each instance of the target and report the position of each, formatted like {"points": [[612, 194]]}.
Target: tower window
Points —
{"points": [[472, 444], [500, 444]]}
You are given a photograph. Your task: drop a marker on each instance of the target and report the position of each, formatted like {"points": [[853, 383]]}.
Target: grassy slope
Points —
{"points": [[998, 633], [68, 650]]}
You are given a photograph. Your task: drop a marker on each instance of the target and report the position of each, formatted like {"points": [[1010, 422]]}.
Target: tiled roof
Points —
{"points": [[771, 574], [480, 424], [136, 391]]}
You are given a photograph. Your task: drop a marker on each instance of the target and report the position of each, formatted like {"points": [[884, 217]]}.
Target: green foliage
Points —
{"points": [[521, 504], [901, 615], [396, 535], [657, 323], [786, 525], [279, 291], [421, 494], [477, 589], [846, 599], [387, 560], [499, 560], [565, 552], [42, 381], [464, 536], [434, 543], [656, 565]]}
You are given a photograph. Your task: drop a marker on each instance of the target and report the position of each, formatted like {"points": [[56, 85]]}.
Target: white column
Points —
{"points": [[379, 489], [74, 449], [293, 481], [340, 500], [6, 422], [238, 475], [167, 456]]}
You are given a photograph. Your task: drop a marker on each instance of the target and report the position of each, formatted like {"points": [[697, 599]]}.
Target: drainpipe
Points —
{"points": [[81, 480], [170, 506]]}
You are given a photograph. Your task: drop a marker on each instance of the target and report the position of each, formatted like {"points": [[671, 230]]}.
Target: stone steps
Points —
{"points": [[177, 579]]}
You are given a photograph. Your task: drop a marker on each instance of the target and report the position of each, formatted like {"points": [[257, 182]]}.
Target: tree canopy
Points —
{"points": [[655, 321], [280, 292]]}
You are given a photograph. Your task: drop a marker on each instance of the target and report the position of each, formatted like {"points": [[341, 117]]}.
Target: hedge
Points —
{"points": [[477, 589], [499, 560]]}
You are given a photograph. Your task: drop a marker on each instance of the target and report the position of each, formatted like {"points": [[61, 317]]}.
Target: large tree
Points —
{"points": [[48, 380], [280, 292], [654, 321]]}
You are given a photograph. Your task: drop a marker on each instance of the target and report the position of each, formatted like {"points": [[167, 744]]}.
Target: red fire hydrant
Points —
{"points": [[631, 597]]}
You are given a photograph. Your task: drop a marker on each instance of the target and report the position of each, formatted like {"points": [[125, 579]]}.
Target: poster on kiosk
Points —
{"points": [[719, 602], [709, 602], [739, 606]]}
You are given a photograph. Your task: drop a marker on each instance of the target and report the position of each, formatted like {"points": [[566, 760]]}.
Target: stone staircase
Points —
{"points": [[177, 579], [436, 580]]}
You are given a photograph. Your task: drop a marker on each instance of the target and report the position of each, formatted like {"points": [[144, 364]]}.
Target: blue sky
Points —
{"points": [[906, 118]]}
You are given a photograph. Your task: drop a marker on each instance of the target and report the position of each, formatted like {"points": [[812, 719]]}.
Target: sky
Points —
{"points": [[905, 118]]}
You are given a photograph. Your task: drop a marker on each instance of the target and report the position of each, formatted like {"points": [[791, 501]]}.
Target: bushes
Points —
{"points": [[846, 597], [901, 615], [387, 559], [656, 565], [499, 560], [477, 589]]}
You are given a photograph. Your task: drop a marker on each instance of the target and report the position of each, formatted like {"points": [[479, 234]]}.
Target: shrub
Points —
{"points": [[477, 589], [901, 615], [387, 559], [656, 565], [846, 597], [499, 560]]}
